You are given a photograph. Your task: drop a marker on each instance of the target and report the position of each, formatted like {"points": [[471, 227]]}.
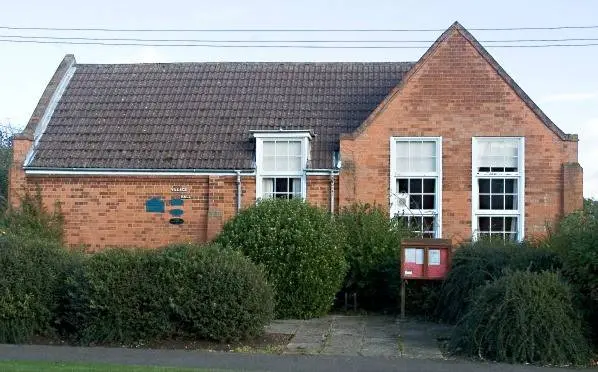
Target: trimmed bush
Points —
{"points": [[301, 249], [523, 317], [127, 296], [31, 272], [475, 264], [373, 252]]}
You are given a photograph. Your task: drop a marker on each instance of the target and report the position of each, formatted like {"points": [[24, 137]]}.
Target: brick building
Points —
{"points": [[150, 154]]}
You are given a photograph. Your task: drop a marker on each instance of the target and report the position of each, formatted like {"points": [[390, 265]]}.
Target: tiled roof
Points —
{"points": [[199, 115]]}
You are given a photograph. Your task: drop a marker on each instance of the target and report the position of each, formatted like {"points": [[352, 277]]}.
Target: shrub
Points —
{"points": [[478, 263], [31, 219], [220, 294], [523, 317], [576, 242], [373, 252], [301, 249], [128, 296], [31, 273]]}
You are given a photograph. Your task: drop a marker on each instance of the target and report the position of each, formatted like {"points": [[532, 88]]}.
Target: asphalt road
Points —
{"points": [[245, 362]]}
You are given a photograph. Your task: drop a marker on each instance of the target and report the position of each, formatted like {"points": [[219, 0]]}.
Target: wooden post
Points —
{"points": [[403, 284]]}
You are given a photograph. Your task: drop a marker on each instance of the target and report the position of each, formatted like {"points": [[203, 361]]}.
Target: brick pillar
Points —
{"points": [[17, 182], [572, 187], [215, 204]]}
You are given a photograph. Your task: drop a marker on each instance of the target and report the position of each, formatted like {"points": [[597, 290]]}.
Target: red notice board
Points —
{"points": [[428, 259]]}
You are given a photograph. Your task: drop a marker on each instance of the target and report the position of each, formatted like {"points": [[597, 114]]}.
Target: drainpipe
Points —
{"points": [[238, 190], [332, 192]]}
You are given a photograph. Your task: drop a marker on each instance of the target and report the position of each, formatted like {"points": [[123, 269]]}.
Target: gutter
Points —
{"points": [[238, 190], [134, 172]]}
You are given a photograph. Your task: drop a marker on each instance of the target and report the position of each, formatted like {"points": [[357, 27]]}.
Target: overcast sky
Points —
{"points": [[562, 81]]}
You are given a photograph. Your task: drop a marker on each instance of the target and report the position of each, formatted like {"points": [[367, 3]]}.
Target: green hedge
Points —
{"points": [[373, 251], [131, 295], [523, 317], [31, 273], [301, 249], [475, 264]]}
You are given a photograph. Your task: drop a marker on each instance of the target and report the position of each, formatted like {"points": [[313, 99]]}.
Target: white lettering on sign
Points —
{"points": [[178, 189], [407, 272], [186, 196]]}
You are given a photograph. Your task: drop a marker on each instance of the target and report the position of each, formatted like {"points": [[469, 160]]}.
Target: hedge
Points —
{"points": [[301, 249], [523, 317], [31, 276], [126, 296]]}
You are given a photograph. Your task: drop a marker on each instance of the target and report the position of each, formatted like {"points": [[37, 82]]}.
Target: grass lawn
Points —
{"points": [[20, 366]]}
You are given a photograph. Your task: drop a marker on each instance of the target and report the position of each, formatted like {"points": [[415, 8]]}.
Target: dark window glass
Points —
{"points": [[403, 185], [498, 186], [428, 202], [497, 223], [484, 202], [510, 202], [498, 202], [484, 186], [415, 202], [484, 223], [415, 186], [510, 223], [429, 185], [281, 185], [428, 223], [510, 186]]}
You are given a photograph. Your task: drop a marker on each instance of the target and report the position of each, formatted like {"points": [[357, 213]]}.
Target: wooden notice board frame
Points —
{"points": [[425, 245]]}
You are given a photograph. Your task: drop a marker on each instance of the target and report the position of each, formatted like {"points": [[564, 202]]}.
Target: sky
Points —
{"points": [[562, 81]]}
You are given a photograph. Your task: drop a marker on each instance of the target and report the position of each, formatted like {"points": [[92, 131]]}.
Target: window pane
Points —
{"points": [[295, 148], [295, 163], [427, 149], [499, 153], [510, 186], [497, 202], [268, 148], [497, 223], [429, 185], [415, 202], [484, 186], [510, 202], [498, 186], [428, 202], [511, 224], [269, 163], [282, 148], [403, 164], [428, 223], [484, 202], [403, 185], [415, 185], [484, 223], [403, 149], [282, 185]]}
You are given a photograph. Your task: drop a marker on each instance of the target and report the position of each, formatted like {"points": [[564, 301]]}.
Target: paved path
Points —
{"points": [[362, 335], [246, 362]]}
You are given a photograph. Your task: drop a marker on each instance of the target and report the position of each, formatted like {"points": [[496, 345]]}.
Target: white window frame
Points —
{"points": [[394, 175], [519, 175], [260, 138]]}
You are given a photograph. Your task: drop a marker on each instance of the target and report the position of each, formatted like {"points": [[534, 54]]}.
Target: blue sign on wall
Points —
{"points": [[154, 205]]}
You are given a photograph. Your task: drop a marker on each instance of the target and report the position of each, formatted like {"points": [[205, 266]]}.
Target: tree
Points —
{"points": [[6, 134]]}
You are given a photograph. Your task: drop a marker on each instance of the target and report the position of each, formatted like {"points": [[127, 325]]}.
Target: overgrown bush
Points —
{"points": [[301, 249], [31, 219], [373, 252], [131, 295], [576, 241], [475, 264], [31, 273], [523, 317]]}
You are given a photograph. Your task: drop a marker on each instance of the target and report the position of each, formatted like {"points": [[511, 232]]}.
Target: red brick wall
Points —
{"points": [[457, 95], [104, 211]]}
